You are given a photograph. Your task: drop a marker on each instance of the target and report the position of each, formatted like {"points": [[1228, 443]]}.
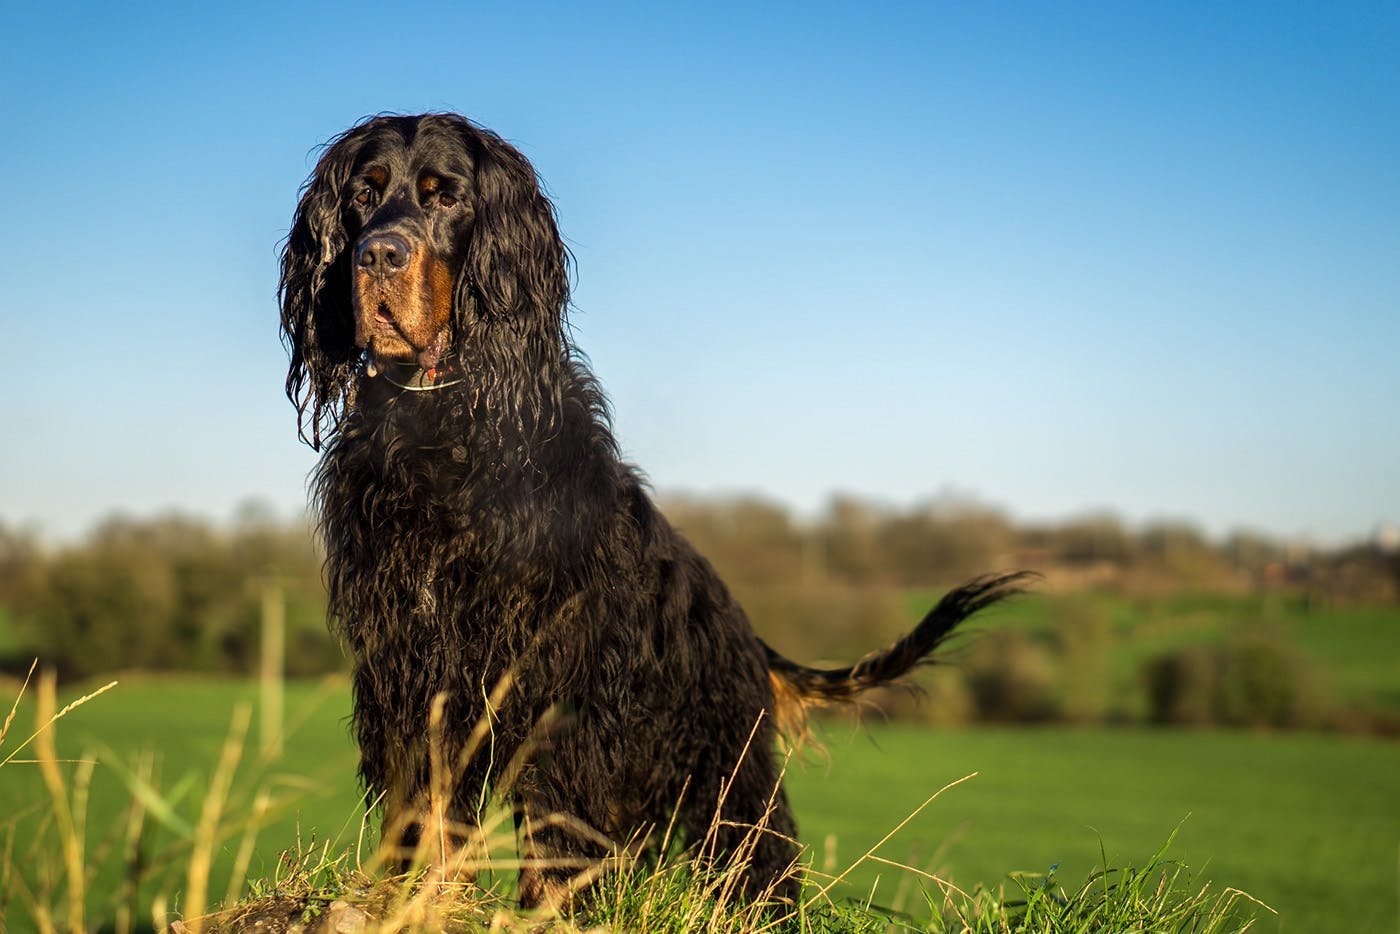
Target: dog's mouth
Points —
{"points": [[383, 321], [388, 343], [395, 329]]}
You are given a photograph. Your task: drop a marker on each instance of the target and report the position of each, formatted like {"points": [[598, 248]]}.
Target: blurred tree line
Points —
{"points": [[165, 593], [856, 543], [177, 593]]}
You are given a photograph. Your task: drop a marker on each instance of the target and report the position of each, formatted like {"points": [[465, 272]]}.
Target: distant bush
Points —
{"points": [[1253, 679], [1180, 686], [1012, 677], [1083, 638], [1265, 681]]}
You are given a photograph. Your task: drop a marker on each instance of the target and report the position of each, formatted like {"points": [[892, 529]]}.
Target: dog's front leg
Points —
{"points": [[562, 854], [544, 872], [432, 825]]}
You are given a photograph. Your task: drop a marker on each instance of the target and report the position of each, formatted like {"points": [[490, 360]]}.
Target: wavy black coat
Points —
{"points": [[491, 529]]}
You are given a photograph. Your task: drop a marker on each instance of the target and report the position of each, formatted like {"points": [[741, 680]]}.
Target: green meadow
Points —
{"points": [[1306, 823]]}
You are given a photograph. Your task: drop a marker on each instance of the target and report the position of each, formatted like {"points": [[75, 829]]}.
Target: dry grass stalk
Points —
{"points": [[207, 831], [69, 837]]}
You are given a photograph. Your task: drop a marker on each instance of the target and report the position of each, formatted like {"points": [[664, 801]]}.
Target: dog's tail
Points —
{"points": [[796, 688]]}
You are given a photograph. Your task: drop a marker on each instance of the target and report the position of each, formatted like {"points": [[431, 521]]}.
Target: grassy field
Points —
{"points": [[1309, 824]]}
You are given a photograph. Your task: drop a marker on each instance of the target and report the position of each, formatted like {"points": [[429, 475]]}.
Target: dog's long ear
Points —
{"points": [[517, 266], [318, 326]]}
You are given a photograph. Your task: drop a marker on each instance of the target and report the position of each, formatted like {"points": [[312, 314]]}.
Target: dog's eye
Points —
{"points": [[364, 196], [446, 200]]}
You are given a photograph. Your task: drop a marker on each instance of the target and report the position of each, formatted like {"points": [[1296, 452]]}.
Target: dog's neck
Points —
{"points": [[411, 377]]}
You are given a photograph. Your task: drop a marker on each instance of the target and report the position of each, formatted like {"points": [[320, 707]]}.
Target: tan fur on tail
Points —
{"points": [[792, 711]]}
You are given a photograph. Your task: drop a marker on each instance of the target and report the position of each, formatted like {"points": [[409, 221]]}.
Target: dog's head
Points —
{"points": [[415, 238]]}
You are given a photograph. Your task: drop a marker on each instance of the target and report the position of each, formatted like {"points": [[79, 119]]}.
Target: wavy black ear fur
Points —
{"points": [[513, 290], [516, 264], [314, 292]]}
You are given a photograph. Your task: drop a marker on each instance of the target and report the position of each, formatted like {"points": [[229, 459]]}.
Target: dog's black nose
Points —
{"points": [[383, 254]]}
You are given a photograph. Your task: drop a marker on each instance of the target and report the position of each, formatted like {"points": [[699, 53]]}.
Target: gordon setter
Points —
{"points": [[481, 527]]}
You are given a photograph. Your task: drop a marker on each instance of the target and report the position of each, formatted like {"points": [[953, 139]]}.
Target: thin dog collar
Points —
{"points": [[414, 378]]}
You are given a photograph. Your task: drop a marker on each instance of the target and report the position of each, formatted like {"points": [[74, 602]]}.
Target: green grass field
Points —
{"points": [[1309, 824]]}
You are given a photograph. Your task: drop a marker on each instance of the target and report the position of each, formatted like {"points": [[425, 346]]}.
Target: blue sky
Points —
{"points": [[1058, 259]]}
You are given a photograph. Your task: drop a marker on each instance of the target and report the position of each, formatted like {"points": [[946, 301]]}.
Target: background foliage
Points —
{"points": [[1155, 624]]}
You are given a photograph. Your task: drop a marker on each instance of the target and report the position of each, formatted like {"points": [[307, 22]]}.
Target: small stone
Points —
{"points": [[351, 920]]}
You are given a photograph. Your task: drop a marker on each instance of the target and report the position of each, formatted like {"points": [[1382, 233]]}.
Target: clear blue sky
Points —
{"points": [[1057, 257]]}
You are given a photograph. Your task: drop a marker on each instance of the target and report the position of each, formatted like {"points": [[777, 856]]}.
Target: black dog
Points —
{"points": [[479, 522]]}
